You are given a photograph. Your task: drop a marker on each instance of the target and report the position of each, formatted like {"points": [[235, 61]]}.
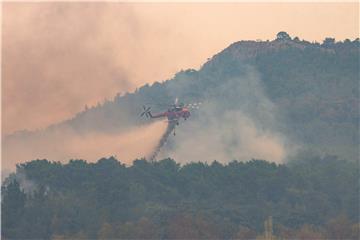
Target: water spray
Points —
{"points": [[164, 137]]}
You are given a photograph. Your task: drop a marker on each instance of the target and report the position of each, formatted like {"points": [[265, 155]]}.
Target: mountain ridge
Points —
{"points": [[299, 77]]}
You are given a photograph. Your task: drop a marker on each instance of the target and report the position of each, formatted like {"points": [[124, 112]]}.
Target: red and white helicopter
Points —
{"points": [[174, 113]]}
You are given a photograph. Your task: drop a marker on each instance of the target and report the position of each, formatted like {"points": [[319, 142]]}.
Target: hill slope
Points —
{"points": [[283, 93]]}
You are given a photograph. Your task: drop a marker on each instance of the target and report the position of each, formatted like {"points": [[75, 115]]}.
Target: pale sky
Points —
{"points": [[57, 57]]}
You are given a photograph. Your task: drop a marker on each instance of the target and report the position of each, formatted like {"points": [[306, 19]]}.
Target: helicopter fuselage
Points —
{"points": [[173, 114]]}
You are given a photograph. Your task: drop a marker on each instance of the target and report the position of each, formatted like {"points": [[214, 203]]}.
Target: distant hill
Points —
{"points": [[308, 93]]}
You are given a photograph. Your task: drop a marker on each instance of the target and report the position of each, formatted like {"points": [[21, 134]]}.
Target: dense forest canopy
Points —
{"points": [[314, 196]]}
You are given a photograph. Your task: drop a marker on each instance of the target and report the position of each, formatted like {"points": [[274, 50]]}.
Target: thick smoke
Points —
{"points": [[59, 56], [236, 121], [64, 143], [27, 185], [224, 138]]}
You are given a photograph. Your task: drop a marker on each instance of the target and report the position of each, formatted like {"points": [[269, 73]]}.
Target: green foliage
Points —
{"points": [[311, 196], [12, 208], [283, 36]]}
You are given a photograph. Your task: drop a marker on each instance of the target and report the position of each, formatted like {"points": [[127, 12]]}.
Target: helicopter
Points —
{"points": [[174, 113]]}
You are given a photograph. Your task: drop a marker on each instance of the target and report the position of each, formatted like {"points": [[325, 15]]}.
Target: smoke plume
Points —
{"points": [[237, 121], [65, 143], [233, 136], [59, 56]]}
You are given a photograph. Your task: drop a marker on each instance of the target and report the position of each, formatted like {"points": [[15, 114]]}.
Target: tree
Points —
{"points": [[328, 42], [283, 36], [339, 228], [355, 231], [146, 229], [307, 232], [347, 41], [245, 233], [106, 231], [187, 226], [12, 209]]}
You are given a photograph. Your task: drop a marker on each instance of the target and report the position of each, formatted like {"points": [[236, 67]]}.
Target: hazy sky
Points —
{"points": [[57, 57]]}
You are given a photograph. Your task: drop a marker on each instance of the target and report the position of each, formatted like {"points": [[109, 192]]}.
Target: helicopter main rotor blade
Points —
{"points": [[194, 105], [146, 112]]}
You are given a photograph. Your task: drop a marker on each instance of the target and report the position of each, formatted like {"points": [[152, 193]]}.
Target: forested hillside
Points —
{"points": [[261, 100], [307, 93], [311, 198], [314, 89]]}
